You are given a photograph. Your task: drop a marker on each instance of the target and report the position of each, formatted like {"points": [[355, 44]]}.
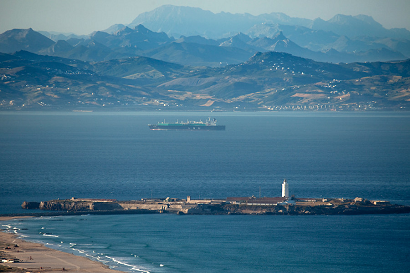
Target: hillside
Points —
{"points": [[267, 81]]}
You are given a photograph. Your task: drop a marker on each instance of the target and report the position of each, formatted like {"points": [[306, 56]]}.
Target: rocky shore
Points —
{"points": [[232, 205]]}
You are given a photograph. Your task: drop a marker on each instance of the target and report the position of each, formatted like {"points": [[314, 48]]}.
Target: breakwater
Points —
{"points": [[232, 205]]}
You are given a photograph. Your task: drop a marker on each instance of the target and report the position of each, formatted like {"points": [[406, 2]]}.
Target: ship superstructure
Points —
{"points": [[208, 125]]}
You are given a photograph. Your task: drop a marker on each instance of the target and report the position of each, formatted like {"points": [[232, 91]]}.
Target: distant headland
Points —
{"points": [[283, 205], [230, 205]]}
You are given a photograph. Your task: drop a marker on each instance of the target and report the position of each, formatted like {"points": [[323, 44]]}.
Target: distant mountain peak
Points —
{"points": [[236, 41], [114, 28], [141, 28], [280, 15], [369, 20], [179, 8], [60, 46], [280, 36], [349, 19], [23, 39], [351, 26], [196, 39], [99, 34], [269, 56], [242, 37], [19, 33], [340, 18], [123, 31]]}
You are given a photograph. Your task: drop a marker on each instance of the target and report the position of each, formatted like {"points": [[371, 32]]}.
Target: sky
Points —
{"points": [[82, 17]]}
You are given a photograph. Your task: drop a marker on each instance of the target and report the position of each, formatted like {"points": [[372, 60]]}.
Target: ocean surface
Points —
{"points": [[47, 156]]}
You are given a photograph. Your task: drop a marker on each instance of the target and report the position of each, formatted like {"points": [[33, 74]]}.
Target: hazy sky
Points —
{"points": [[86, 16]]}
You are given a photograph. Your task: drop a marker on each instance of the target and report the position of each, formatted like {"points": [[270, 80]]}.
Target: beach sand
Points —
{"points": [[36, 257]]}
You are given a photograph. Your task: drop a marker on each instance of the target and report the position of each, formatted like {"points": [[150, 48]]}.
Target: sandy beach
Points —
{"points": [[34, 257]]}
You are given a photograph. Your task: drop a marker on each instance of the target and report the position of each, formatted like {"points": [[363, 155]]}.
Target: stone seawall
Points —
{"points": [[144, 206]]}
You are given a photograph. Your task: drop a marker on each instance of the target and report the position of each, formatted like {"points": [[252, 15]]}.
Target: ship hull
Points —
{"points": [[187, 127]]}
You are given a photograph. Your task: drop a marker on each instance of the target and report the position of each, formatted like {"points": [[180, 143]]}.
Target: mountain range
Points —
{"points": [[226, 38], [192, 50], [188, 21], [267, 81], [188, 58]]}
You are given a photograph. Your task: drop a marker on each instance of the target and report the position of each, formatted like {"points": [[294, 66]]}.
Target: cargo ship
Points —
{"points": [[208, 125]]}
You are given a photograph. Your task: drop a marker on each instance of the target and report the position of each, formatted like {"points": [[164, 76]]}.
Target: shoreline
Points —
{"points": [[36, 257]]}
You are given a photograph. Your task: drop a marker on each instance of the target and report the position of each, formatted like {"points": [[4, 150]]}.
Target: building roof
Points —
{"points": [[263, 200]]}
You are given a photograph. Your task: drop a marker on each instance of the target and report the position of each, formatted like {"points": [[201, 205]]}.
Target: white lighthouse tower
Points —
{"points": [[285, 189]]}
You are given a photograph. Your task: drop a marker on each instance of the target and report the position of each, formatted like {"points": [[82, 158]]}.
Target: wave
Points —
{"points": [[133, 267], [11, 229], [50, 235]]}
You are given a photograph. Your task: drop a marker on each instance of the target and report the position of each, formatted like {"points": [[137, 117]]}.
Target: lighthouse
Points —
{"points": [[285, 189]]}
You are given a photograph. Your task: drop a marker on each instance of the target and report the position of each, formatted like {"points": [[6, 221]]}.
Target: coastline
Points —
{"points": [[230, 205], [35, 257]]}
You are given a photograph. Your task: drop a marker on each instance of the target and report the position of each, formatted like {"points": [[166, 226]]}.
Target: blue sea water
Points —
{"points": [[113, 155]]}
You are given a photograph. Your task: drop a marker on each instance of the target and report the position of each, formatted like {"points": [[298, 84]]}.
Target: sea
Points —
{"points": [[114, 155]]}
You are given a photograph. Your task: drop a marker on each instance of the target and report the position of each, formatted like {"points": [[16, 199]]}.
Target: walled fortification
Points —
{"points": [[274, 206]]}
